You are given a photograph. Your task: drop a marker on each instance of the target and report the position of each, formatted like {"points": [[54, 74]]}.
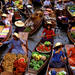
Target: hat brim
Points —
{"points": [[19, 24], [15, 35], [58, 46]]}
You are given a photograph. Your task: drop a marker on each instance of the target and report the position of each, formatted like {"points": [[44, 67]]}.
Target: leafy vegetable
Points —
{"points": [[27, 29]]}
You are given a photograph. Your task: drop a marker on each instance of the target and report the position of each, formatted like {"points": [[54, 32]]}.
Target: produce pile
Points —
{"points": [[11, 61], [27, 29], [73, 32], [18, 4], [47, 43], [72, 9], [44, 48], [37, 60]]}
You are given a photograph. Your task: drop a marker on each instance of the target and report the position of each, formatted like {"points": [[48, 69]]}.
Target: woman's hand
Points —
{"points": [[63, 59], [57, 51]]}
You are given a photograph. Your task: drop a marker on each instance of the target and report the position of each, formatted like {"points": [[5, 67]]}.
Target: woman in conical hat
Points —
{"points": [[16, 43], [58, 56]]}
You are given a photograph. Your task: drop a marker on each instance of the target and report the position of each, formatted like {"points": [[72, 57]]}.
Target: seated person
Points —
{"points": [[67, 3], [47, 3], [71, 55], [58, 56], [59, 5], [16, 43], [10, 3], [49, 33], [5, 19]]}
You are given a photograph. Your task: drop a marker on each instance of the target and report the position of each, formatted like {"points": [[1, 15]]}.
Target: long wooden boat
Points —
{"points": [[70, 36], [32, 70], [12, 58], [67, 47], [66, 70], [6, 37], [33, 23]]}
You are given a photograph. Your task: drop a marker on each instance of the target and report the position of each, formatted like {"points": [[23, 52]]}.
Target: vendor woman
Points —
{"points": [[49, 33], [16, 44], [71, 55], [58, 57]]}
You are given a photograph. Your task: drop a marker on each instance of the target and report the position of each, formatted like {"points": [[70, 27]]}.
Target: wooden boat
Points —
{"points": [[34, 22], [27, 12], [12, 57], [67, 47], [70, 36], [35, 72], [66, 69], [6, 37]]}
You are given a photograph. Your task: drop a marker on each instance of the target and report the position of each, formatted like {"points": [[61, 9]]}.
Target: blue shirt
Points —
{"points": [[17, 46], [10, 3], [57, 56], [38, 0]]}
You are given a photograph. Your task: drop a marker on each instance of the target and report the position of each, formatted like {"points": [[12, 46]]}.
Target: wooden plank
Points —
{"points": [[70, 37]]}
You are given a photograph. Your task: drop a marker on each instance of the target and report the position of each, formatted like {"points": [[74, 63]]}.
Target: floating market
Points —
{"points": [[37, 37]]}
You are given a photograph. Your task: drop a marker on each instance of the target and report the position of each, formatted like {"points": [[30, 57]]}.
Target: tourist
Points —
{"points": [[58, 57]]}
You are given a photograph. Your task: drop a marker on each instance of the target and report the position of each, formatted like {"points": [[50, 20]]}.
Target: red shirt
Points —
{"points": [[48, 33]]}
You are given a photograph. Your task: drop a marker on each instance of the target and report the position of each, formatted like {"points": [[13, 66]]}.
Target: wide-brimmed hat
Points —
{"points": [[49, 22], [16, 34], [58, 44], [19, 24], [29, 6], [4, 15]]}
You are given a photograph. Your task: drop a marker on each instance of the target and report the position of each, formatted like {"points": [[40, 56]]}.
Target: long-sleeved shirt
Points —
{"points": [[48, 33], [57, 56], [17, 48]]}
